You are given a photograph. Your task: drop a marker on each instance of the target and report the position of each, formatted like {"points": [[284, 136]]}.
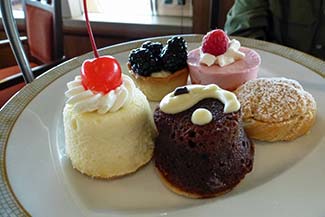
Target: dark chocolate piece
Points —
{"points": [[180, 91]]}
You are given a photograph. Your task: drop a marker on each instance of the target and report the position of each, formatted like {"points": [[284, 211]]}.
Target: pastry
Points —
{"points": [[157, 69], [222, 61], [202, 150], [108, 122], [276, 109]]}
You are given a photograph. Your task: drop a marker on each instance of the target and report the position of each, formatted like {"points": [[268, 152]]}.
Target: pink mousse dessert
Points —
{"points": [[222, 61]]}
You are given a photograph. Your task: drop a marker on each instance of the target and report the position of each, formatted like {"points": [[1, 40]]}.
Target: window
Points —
{"points": [[17, 8], [16, 5], [122, 7], [180, 8], [174, 12], [143, 7]]}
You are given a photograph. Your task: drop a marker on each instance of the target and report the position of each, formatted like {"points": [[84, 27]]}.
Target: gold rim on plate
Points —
{"points": [[9, 203]]}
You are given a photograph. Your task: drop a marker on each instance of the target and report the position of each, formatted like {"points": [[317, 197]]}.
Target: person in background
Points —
{"points": [[299, 24]]}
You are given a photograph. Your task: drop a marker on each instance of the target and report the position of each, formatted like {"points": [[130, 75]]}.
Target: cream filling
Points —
{"points": [[161, 74], [88, 101], [172, 104], [231, 55]]}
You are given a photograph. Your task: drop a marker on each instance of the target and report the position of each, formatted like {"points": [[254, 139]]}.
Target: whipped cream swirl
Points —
{"points": [[88, 101], [231, 55]]}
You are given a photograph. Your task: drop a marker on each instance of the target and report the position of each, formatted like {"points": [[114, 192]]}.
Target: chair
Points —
{"points": [[219, 11], [43, 21]]}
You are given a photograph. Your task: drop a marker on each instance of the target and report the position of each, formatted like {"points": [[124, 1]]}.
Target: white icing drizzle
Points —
{"points": [[231, 55], [201, 116], [88, 101], [172, 104]]}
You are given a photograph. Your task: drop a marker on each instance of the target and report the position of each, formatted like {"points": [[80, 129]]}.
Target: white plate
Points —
{"points": [[37, 179]]}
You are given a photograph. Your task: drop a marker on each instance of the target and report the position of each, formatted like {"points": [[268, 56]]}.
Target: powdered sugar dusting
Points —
{"points": [[273, 99]]}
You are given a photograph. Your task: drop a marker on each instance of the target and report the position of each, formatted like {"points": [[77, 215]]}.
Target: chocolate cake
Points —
{"points": [[202, 161]]}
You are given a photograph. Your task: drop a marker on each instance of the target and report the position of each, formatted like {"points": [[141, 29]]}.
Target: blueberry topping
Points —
{"points": [[174, 54], [177, 43], [154, 47], [143, 62], [154, 57]]}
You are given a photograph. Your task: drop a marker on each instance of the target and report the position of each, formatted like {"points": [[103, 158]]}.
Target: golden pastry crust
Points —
{"points": [[276, 109], [155, 88]]}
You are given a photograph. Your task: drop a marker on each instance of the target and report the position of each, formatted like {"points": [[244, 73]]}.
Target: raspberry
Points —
{"points": [[215, 42]]}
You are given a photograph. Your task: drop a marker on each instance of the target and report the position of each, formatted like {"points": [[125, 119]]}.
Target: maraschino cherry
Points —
{"points": [[101, 74]]}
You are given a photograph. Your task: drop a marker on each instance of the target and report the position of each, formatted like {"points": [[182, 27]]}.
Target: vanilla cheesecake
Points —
{"points": [[108, 135]]}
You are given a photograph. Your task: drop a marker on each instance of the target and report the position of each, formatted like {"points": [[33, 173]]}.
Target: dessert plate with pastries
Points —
{"points": [[187, 125]]}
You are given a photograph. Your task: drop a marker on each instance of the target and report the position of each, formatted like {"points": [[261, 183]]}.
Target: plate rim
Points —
{"points": [[11, 111]]}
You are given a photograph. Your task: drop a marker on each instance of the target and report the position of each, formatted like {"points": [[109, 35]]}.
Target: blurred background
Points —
{"points": [[124, 20]]}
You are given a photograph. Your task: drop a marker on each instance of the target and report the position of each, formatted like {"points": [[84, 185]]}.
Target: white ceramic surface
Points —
{"points": [[288, 178]]}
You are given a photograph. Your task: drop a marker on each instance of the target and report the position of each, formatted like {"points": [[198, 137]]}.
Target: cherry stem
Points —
{"points": [[90, 32]]}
